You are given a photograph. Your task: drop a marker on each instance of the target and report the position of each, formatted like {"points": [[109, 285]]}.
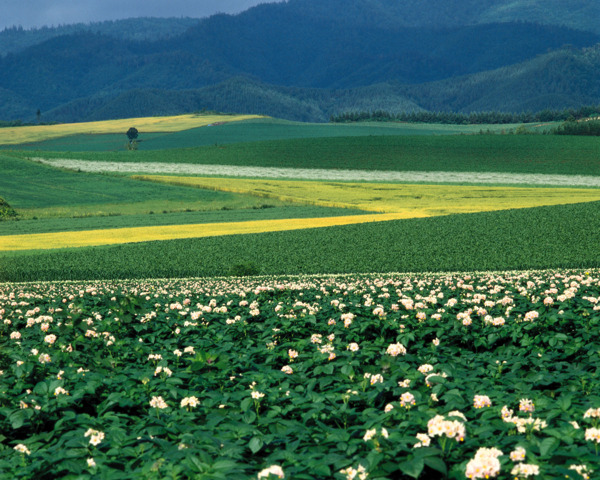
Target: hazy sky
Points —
{"points": [[36, 13]]}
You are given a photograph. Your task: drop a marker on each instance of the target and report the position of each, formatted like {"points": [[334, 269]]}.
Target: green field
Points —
{"points": [[550, 154], [546, 237], [264, 211], [253, 131], [566, 236], [36, 190], [156, 360]]}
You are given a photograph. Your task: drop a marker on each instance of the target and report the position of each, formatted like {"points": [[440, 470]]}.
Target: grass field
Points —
{"points": [[86, 238], [35, 190], [37, 133], [234, 131], [550, 154], [263, 211]]}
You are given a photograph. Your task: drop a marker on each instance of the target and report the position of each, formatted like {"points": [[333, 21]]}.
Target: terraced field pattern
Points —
{"points": [[252, 176], [248, 298]]}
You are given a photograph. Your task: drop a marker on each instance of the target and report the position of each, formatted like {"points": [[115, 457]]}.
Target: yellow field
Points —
{"points": [[42, 241], [390, 201], [37, 133], [410, 200]]}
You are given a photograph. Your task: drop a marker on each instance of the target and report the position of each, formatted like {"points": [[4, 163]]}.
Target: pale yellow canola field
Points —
{"points": [[174, 123], [397, 201], [411, 200]]}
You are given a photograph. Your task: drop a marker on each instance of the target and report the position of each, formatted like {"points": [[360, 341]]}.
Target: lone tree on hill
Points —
{"points": [[132, 134]]}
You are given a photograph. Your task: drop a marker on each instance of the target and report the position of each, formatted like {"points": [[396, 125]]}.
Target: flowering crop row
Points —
{"points": [[460, 376]]}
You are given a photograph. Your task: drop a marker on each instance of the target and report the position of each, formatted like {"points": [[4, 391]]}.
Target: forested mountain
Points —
{"points": [[308, 59], [16, 38], [576, 14]]}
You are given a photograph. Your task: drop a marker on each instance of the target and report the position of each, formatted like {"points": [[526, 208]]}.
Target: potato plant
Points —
{"points": [[377, 376]]}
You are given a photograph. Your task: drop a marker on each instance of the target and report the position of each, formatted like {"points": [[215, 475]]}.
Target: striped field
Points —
{"points": [[176, 123], [410, 200], [387, 202], [44, 241]]}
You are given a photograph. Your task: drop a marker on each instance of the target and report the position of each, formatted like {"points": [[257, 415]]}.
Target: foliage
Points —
{"points": [[6, 211], [564, 236], [225, 379], [132, 134], [589, 127], [15, 38], [473, 118], [90, 75], [580, 14]]}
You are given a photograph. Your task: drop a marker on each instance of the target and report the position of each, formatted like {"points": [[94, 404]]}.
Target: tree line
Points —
{"points": [[569, 115]]}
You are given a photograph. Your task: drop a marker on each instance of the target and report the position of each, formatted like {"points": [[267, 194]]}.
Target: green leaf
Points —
{"points": [[255, 444], [548, 445], [437, 464], [249, 417], [18, 417], [41, 389], [321, 470], [412, 468]]}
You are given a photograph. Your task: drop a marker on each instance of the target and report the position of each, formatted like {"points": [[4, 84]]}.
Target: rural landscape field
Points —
{"points": [[246, 297], [300, 240]]}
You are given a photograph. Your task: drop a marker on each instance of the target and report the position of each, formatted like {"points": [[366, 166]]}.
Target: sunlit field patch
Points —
{"points": [[36, 133], [411, 200], [44, 241], [459, 376]]}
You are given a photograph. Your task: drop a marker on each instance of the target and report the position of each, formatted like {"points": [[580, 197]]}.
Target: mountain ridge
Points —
{"points": [[290, 58]]}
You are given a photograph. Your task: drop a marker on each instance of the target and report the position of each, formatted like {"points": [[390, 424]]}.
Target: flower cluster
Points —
{"points": [[518, 454], [442, 426], [480, 401], [351, 473], [158, 402], [485, 464], [524, 470], [396, 349], [189, 402], [407, 400], [96, 436]]}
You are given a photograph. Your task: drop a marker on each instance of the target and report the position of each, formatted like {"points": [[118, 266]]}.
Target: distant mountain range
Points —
{"points": [[309, 59]]}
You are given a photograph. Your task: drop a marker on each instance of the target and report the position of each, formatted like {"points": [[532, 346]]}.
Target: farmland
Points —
{"points": [[185, 325], [400, 376], [37, 133], [550, 154], [78, 198]]}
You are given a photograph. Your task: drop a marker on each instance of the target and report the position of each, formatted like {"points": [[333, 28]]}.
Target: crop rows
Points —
{"points": [[551, 154], [563, 236], [491, 375]]}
